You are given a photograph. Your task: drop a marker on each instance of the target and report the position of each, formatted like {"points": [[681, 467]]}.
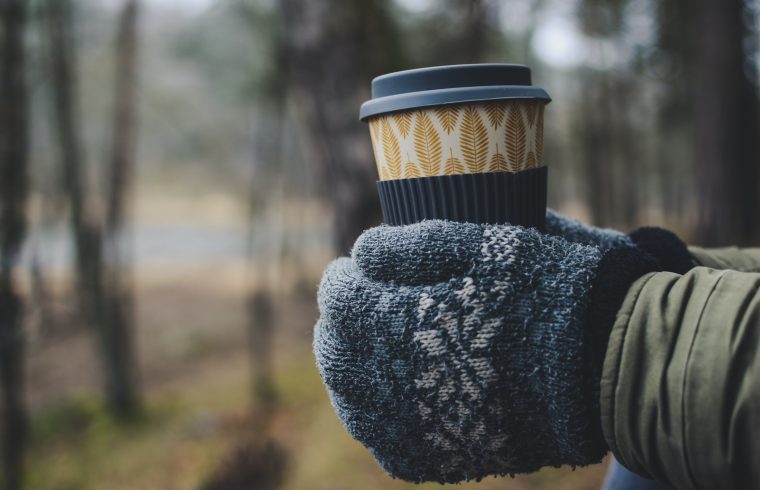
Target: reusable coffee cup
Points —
{"points": [[459, 142]]}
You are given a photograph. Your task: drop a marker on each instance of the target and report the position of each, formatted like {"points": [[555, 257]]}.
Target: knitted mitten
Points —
{"points": [[664, 246], [455, 351], [575, 231]]}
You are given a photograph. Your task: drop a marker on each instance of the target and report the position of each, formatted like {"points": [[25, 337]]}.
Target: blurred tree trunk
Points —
{"points": [[14, 135], [269, 173], [124, 118], [674, 62], [476, 25], [609, 138], [68, 133], [118, 342], [594, 146], [456, 31], [334, 48], [626, 157], [86, 226], [261, 328], [727, 126], [67, 128]]}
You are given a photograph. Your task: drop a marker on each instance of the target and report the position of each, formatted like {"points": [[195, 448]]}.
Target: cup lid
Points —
{"points": [[450, 84]]}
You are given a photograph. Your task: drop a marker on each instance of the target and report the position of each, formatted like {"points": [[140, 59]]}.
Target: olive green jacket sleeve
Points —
{"points": [[739, 259], [680, 389]]}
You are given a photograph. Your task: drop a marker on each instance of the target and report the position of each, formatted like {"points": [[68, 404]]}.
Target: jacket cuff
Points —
{"points": [[619, 268], [666, 248]]}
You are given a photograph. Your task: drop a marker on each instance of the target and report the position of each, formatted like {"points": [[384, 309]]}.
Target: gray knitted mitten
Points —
{"points": [[455, 351], [575, 231]]}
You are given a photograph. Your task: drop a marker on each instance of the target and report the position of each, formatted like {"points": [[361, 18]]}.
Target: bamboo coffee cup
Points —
{"points": [[459, 142]]}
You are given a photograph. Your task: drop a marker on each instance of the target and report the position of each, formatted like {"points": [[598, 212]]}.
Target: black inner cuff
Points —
{"points": [[666, 248]]}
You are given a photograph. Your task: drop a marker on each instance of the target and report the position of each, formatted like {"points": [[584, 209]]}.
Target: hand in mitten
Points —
{"points": [[664, 246], [455, 351]]}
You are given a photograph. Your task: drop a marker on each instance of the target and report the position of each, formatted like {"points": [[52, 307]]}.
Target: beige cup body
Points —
{"points": [[494, 136]]}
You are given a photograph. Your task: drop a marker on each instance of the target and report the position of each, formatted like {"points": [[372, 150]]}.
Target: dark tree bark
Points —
{"points": [[269, 172], [457, 31], [118, 342], [62, 63], [477, 19], [596, 148], [261, 317], [673, 63], [626, 157], [610, 142], [727, 126], [14, 134], [609, 147], [123, 141], [334, 48], [96, 302], [86, 230]]}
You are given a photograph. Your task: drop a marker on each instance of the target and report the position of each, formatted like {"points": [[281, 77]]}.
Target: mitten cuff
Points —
{"points": [[666, 248], [618, 269]]}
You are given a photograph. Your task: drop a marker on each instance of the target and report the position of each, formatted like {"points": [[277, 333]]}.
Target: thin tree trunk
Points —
{"points": [[475, 22], [118, 342], [68, 132], [123, 145], [86, 224], [261, 329], [14, 136], [267, 159], [45, 324], [727, 126], [626, 153], [86, 230], [594, 131], [675, 113]]}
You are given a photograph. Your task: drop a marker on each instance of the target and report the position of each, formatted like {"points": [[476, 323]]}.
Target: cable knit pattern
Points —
{"points": [[454, 351]]}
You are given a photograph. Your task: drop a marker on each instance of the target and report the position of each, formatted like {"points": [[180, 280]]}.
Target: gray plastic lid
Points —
{"points": [[451, 84]]}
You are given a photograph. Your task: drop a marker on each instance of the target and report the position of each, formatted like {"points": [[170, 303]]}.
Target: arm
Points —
{"points": [[680, 391], [740, 259]]}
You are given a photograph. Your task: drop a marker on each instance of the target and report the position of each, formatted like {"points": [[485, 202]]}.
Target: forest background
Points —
{"points": [[175, 175]]}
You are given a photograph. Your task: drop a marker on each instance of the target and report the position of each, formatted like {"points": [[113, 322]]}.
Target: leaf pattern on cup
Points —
{"points": [[448, 116], [515, 139], [498, 162], [530, 161], [375, 134], [403, 122], [530, 112], [473, 140], [453, 166], [427, 145], [391, 152], [410, 170], [375, 126], [495, 111], [496, 136]]}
